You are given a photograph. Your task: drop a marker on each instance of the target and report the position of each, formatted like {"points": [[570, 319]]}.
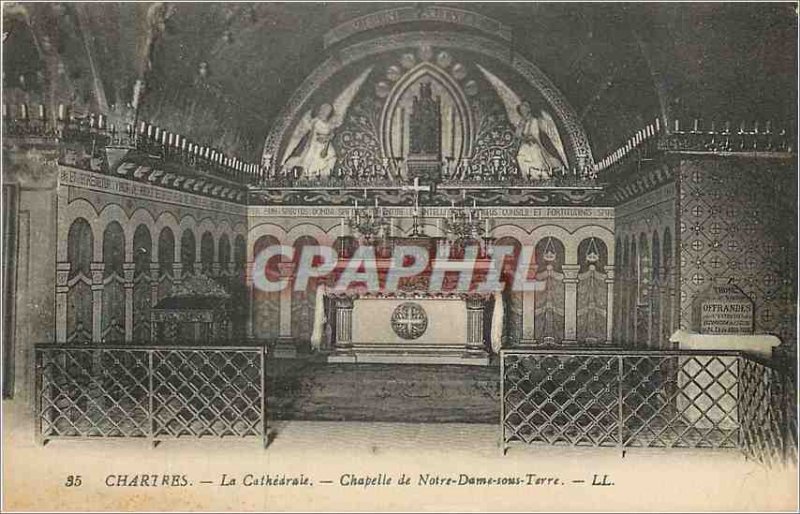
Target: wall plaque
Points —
{"points": [[723, 309]]}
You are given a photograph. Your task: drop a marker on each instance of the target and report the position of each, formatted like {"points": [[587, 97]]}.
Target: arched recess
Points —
{"points": [[565, 239], [167, 220], [435, 75], [239, 252], [592, 291], [113, 213], [188, 252], [303, 302], [207, 252], [265, 229], [113, 313], [224, 252], [80, 252], [166, 261], [266, 304], [668, 309], [513, 314], [655, 296], [142, 291], [549, 301]]}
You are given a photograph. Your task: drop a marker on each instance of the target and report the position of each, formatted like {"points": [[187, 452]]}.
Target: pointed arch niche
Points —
{"points": [[455, 116]]}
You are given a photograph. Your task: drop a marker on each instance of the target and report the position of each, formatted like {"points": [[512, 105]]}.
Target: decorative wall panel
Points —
{"points": [[738, 223]]}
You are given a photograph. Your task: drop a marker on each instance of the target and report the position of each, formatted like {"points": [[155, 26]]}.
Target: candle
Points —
{"points": [[696, 122], [101, 122], [41, 112], [677, 125], [439, 225], [62, 112], [376, 203], [658, 124], [341, 227], [474, 203], [23, 111], [356, 204], [391, 227], [486, 226], [452, 204]]}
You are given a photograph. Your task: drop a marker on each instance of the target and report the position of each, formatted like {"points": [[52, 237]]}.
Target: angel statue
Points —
{"points": [[310, 147], [541, 151]]}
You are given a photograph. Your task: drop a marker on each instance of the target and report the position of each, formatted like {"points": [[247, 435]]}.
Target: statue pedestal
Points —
{"points": [[425, 167], [710, 384]]}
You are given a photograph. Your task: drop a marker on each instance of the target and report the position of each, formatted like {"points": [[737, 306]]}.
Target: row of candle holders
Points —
{"points": [[95, 130]]}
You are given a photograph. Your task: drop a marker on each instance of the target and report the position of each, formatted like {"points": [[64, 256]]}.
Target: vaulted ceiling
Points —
{"points": [[220, 73]]}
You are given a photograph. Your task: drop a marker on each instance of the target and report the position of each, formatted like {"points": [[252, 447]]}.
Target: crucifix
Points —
{"points": [[416, 228]]}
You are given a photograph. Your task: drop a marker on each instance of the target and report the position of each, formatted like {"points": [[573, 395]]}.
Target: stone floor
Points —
{"points": [[330, 454]]}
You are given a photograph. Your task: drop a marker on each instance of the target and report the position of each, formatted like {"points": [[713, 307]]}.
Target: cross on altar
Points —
{"points": [[416, 188]]}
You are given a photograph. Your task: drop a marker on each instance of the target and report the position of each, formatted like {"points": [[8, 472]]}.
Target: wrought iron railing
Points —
{"points": [[648, 399], [150, 392]]}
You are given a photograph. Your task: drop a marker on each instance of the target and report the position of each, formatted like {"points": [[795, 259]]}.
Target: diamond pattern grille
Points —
{"points": [[662, 399], [157, 393]]}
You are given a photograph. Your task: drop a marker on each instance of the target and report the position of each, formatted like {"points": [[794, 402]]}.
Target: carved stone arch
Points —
{"points": [[666, 247], [207, 224], [143, 246], [562, 235], [142, 217], [307, 229], [448, 84], [188, 222], [655, 255], [80, 246], [264, 229], [208, 250], [79, 208], [512, 230], [165, 220], [576, 141], [599, 232], [113, 212], [224, 253]]}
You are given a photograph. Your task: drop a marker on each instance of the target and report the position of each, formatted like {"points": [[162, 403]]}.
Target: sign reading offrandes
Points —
{"points": [[723, 309]]}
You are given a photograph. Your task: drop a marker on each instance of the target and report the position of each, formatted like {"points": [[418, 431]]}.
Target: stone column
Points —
{"points": [[570, 303], [128, 270], [62, 290], [97, 269], [475, 346], [609, 303], [344, 325]]}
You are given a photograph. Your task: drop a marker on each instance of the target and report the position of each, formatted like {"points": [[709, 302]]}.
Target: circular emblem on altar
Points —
{"points": [[409, 320]]}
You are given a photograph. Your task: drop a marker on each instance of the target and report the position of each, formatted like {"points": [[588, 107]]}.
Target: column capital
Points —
{"points": [[570, 272]]}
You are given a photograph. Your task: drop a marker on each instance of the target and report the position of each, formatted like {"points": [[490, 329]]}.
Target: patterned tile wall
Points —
{"points": [[738, 221]]}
